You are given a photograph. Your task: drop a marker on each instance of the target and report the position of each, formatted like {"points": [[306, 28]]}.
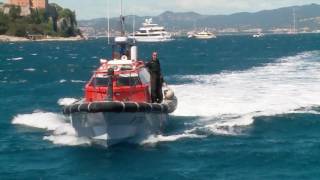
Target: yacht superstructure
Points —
{"points": [[151, 32]]}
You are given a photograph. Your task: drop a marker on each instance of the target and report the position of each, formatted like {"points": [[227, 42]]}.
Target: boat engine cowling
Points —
{"points": [[134, 53], [168, 94]]}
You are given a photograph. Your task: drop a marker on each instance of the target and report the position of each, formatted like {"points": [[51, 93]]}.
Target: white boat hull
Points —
{"points": [[258, 35], [204, 37], [107, 128], [152, 38]]}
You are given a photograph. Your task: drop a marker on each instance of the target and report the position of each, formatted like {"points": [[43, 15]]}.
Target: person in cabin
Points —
{"points": [[156, 78], [122, 50]]}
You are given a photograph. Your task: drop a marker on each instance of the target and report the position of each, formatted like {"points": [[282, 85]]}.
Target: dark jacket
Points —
{"points": [[156, 81], [154, 67]]}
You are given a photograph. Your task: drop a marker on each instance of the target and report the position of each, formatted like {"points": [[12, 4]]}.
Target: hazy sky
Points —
{"points": [[87, 9]]}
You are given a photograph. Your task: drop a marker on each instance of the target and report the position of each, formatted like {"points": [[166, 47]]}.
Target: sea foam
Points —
{"points": [[62, 133], [30, 69], [228, 100], [78, 81], [15, 59], [66, 101], [154, 139], [41, 120]]}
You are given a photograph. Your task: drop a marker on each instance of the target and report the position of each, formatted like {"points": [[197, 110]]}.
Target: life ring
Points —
{"points": [[124, 58]]}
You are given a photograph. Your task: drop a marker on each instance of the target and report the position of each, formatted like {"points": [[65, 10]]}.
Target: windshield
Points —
{"points": [[100, 82], [128, 80]]}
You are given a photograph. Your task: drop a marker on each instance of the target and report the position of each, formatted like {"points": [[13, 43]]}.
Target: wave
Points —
{"points": [[62, 131], [228, 100], [41, 120], [154, 139], [78, 81], [15, 59], [30, 69], [62, 81], [72, 81], [66, 135], [66, 101], [67, 140]]}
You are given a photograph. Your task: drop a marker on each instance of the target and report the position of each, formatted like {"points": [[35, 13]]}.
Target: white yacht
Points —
{"points": [[203, 35], [150, 32]]}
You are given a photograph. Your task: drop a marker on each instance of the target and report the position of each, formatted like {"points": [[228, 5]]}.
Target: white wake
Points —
{"points": [[227, 100]]}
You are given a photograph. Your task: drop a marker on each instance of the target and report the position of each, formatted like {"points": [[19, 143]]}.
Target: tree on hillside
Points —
{"points": [[18, 28], [14, 12], [35, 17], [42, 15], [53, 16], [67, 22], [56, 6], [39, 16], [3, 23]]}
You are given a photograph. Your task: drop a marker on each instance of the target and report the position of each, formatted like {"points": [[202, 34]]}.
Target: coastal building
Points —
{"points": [[26, 6], [34, 4]]}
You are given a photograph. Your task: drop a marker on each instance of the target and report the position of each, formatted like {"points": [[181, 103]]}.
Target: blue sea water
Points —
{"points": [[248, 109]]}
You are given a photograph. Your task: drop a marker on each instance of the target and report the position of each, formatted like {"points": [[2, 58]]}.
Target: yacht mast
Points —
{"points": [[294, 20], [133, 28], [108, 17]]}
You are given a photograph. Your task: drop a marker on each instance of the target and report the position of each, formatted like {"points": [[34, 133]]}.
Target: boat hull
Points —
{"points": [[204, 37], [152, 38], [110, 128], [111, 122]]}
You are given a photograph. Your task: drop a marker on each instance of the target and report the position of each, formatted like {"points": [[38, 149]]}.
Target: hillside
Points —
{"points": [[308, 16]]}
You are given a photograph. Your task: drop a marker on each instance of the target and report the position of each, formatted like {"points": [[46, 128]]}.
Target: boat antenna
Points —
{"points": [[108, 17], [121, 8], [294, 20], [133, 28], [122, 20]]}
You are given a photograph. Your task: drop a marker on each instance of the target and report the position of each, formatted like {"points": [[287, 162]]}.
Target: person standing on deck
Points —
{"points": [[156, 78]]}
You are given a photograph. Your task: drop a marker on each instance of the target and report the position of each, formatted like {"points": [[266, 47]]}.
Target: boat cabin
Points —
{"points": [[124, 78]]}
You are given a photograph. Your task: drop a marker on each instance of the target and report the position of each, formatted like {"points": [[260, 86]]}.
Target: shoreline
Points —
{"points": [[5, 38]]}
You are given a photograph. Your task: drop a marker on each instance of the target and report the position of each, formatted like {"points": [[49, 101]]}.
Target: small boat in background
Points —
{"points": [[258, 35], [202, 35]]}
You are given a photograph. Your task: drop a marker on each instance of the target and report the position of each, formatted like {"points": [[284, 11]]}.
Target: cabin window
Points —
{"points": [[143, 35], [128, 80], [144, 76], [143, 31], [126, 67], [155, 34], [100, 82]]}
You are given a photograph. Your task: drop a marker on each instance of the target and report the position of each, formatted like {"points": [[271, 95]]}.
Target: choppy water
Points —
{"points": [[248, 109]]}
